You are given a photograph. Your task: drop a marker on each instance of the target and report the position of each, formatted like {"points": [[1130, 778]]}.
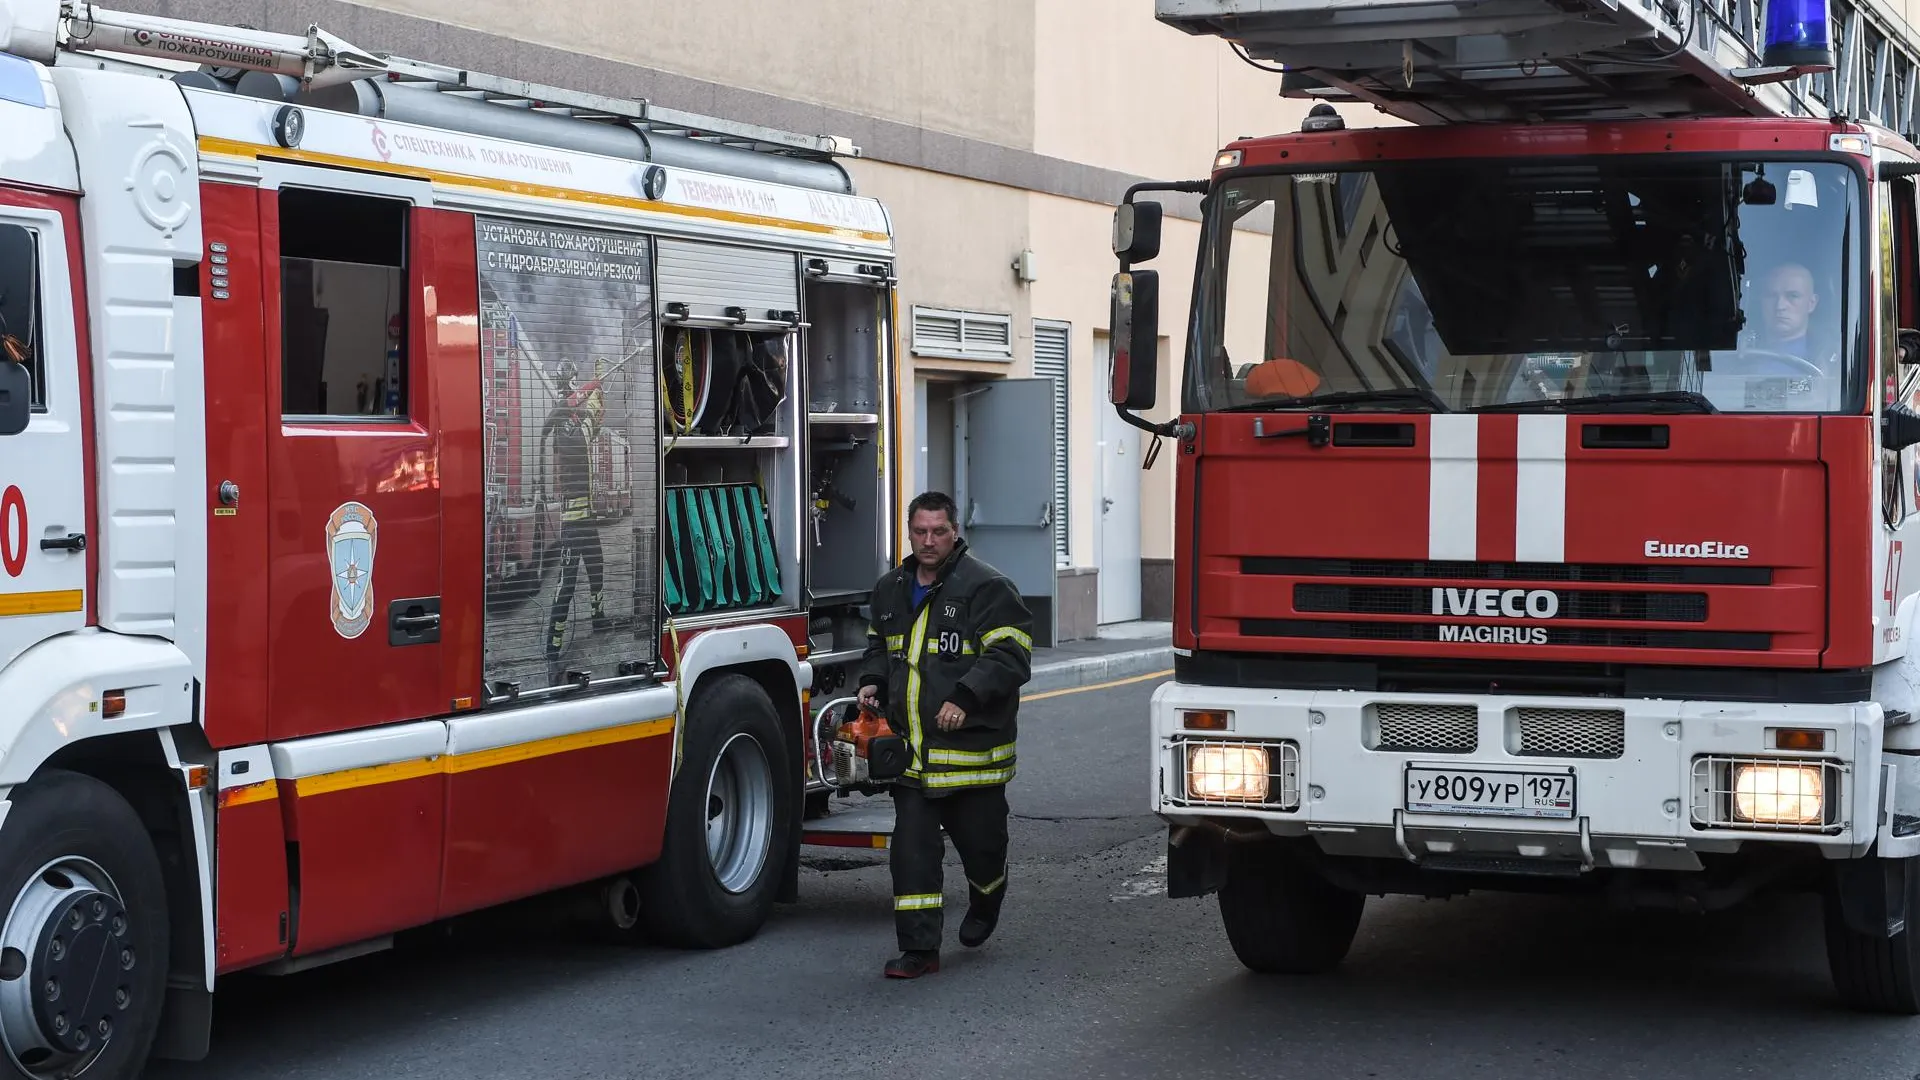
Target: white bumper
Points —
{"points": [[1652, 783]]}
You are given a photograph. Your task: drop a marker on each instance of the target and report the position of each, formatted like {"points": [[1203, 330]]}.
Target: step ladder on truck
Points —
{"points": [[1595, 377], [408, 511]]}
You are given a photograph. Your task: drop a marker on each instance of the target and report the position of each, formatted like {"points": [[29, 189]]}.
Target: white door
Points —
{"points": [[43, 525], [1119, 507]]}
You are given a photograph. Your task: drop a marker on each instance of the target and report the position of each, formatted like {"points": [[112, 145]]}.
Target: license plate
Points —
{"points": [[1532, 793]]}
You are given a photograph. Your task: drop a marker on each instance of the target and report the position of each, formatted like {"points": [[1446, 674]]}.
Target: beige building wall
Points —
{"points": [[962, 68], [1122, 90]]}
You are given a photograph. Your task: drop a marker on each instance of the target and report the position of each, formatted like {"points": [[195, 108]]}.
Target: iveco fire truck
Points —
{"points": [[405, 508], [1546, 467]]}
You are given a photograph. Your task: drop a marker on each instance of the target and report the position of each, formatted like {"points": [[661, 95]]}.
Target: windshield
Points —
{"points": [[1625, 283]]}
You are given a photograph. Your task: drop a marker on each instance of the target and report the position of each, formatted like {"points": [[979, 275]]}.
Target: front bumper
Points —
{"points": [[1648, 784]]}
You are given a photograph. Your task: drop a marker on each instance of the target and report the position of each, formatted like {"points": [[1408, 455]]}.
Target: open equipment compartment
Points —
{"points": [[729, 394], [849, 363]]}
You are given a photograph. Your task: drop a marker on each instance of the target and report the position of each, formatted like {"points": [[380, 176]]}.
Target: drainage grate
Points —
{"points": [[1441, 729], [1583, 733]]}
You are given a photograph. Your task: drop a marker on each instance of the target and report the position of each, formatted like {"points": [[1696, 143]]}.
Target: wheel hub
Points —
{"points": [[67, 964], [81, 971]]}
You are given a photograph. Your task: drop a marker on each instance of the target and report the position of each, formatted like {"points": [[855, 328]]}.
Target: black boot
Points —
{"points": [[914, 963], [983, 914]]}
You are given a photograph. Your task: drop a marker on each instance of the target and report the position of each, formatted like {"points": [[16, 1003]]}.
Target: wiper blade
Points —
{"points": [[1419, 394], [1668, 400]]}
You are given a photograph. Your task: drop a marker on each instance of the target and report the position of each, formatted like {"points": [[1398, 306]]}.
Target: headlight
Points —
{"points": [[1239, 773], [1778, 794]]}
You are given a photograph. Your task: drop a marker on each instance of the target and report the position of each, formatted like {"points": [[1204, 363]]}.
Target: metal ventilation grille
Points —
{"points": [[1583, 733], [1440, 729], [1052, 358]]}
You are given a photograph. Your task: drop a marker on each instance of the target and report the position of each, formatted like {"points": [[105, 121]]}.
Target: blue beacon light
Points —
{"points": [[1797, 34]]}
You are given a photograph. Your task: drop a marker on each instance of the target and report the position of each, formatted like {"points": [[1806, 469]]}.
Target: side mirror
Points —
{"points": [[1136, 231], [16, 397], [1132, 377], [1899, 427]]}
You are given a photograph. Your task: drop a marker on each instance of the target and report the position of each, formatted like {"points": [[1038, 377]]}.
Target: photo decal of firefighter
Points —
{"points": [[567, 347]]}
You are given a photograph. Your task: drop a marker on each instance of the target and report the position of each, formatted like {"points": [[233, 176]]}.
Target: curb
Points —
{"points": [[1087, 671]]}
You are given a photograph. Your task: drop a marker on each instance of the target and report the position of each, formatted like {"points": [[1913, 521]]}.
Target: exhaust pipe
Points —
{"points": [[620, 899], [610, 905]]}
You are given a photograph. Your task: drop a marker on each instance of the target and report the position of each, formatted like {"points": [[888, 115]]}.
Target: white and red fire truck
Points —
{"points": [[374, 552], [1546, 465]]}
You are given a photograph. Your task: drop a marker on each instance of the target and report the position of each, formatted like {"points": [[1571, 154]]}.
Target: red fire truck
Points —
{"points": [[1546, 464], [366, 563]]}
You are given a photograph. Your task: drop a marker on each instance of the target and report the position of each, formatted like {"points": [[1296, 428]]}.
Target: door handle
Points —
{"points": [[69, 542], [414, 621]]}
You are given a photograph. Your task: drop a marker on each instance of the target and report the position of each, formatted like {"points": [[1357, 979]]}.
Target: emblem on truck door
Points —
{"points": [[352, 535]]}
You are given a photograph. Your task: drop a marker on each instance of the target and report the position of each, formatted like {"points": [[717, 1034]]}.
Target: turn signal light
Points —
{"points": [[1812, 739], [113, 703], [1204, 719]]}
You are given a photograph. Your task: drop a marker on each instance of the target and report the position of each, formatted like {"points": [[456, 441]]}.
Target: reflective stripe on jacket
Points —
{"points": [[969, 642]]}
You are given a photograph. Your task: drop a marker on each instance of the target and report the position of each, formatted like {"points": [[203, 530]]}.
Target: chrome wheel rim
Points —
{"points": [[739, 813]]}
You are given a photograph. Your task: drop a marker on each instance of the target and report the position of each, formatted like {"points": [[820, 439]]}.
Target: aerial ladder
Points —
{"points": [[1546, 61]]}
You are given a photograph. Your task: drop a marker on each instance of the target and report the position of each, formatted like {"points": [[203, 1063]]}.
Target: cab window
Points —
{"points": [[343, 274], [21, 332]]}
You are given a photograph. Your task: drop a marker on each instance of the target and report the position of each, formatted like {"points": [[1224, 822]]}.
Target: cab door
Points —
{"points": [[45, 484], [354, 547]]}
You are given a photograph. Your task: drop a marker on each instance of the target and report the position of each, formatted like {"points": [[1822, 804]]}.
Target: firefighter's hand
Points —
{"points": [[870, 696], [950, 717]]}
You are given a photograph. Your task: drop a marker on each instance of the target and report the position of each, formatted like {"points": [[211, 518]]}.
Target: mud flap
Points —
{"points": [[186, 1024], [1196, 862], [1873, 894], [789, 890]]}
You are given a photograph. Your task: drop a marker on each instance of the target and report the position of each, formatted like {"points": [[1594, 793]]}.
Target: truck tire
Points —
{"points": [[1872, 972], [729, 822], [1281, 916], [83, 932]]}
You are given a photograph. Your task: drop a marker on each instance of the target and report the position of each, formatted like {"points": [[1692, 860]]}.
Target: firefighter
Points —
{"points": [[572, 460], [948, 648]]}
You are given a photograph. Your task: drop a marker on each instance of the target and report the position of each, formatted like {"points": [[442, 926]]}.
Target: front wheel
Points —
{"points": [[84, 938], [1281, 916], [729, 822], [1875, 973]]}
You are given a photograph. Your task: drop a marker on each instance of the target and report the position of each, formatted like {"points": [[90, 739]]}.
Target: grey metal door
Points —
{"points": [[1008, 518]]}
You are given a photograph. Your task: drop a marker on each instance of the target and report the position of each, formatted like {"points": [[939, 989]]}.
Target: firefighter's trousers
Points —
{"points": [[976, 819], [579, 540]]}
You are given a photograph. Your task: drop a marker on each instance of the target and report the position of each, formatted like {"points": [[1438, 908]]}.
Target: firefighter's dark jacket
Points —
{"points": [[970, 642]]}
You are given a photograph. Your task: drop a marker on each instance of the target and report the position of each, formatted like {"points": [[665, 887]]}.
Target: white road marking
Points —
{"points": [[1151, 881]]}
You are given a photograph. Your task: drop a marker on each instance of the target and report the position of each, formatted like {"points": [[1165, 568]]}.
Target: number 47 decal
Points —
{"points": [[1892, 589]]}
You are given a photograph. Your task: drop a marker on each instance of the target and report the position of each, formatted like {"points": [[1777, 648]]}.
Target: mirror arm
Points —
{"points": [[1190, 187], [1169, 429]]}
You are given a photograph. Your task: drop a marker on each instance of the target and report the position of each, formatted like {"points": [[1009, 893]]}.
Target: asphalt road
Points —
{"points": [[1093, 973]]}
